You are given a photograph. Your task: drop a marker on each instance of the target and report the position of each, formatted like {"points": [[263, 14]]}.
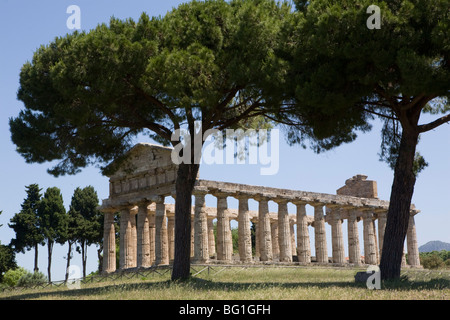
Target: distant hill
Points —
{"points": [[434, 246]]}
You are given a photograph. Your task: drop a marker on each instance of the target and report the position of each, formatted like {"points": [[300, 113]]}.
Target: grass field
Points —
{"points": [[222, 283]]}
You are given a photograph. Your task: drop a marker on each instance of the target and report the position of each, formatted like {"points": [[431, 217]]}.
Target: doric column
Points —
{"points": [[211, 237], [382, 217], [143, 236], [354, 251], [192, 237], [284, 232], [244, 232], [337, 238], [224, 247], [152, 235], [201, 252], [370, 251], [257, 254], [274, 237], [264, 230], [293, 237], [128, 238], [411, 240], [171, 236], [109, 243], [161, 240], [320, 234], [303, 242]]}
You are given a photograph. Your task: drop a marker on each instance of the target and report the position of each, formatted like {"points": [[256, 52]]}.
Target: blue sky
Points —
{"points": [[25, 25]]}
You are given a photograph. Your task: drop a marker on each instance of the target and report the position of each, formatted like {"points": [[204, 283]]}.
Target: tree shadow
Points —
{"points": [[200, 284]]}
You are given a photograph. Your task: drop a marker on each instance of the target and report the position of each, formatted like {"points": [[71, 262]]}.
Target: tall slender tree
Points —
{"points": [[26, 224], [70, 238], [53, 221], [86, 223], [88, 94]]}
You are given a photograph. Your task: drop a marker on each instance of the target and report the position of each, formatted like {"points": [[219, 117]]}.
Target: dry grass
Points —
{"points": [[300, 283]]}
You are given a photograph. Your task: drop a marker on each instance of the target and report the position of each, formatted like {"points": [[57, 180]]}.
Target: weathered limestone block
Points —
{"points": [[359, 186]]}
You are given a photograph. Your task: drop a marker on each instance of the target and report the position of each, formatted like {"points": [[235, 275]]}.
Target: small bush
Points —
{"points": [[31, 279], [447, 263], [432, 261], [12, 276]]}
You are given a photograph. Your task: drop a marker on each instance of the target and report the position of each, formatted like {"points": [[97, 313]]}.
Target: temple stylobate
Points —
{"points": [[139, 188]]}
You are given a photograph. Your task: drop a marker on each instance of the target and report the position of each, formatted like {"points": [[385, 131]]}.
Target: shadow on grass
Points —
{"points": [[200, 284]]}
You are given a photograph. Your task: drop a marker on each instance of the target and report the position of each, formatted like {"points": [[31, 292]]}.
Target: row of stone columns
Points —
{"points": [[151, 240]]}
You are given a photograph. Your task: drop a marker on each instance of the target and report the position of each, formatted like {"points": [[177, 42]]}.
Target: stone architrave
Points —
{"points": [[109, 246], [303, 242], [284, 232], [354, 250], [320, 234], [201, 245], [244, 232]]}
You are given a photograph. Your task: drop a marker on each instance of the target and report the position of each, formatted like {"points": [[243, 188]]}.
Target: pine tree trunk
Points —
{"points": [[36, 268], [83, 258], [50, 250], [100, 259], [186, 176], [69, 256], [399, 208]]}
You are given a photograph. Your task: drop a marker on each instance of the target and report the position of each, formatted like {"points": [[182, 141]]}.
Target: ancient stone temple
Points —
{"points": [[139, 188]]}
